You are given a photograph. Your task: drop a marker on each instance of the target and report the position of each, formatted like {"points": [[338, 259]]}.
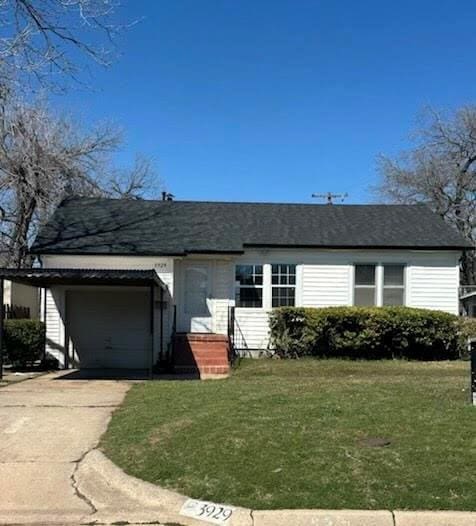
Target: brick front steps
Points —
{"points": [[203, 354]]}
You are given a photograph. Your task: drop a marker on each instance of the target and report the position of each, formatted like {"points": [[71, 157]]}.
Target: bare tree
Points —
{"points": [[39, 39], [45, 158], [135, 182], [439, 171]]}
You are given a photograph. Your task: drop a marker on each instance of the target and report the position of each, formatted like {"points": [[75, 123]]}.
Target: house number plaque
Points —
{"points": [[207, 511]]}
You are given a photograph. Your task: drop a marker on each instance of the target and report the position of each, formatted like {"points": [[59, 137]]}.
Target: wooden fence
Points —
{"points": [[15, 312]]}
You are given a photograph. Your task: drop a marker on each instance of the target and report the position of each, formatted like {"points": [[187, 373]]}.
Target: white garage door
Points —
{"points": [[110, 329]]}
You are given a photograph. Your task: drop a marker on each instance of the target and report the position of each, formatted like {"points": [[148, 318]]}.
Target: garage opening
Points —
{"points": [[109, 329], [108, 316]]}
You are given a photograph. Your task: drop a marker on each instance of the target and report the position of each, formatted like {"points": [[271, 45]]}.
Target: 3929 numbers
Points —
{"points": [[207, 511]]}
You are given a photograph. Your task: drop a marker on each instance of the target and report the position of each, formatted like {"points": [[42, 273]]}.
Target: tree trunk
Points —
{"points": [[19, 246]]}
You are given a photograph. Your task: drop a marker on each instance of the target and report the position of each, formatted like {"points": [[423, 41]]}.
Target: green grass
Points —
{"points": [[287, 434]]}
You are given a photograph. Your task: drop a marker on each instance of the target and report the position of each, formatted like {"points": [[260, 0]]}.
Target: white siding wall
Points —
{"points": [[324, 278], [222, 293], [163, 266], [324, 285], [54, 324], [252, 328], [433, 287]]}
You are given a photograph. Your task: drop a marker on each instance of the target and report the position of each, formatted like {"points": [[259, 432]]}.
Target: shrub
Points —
{"points": [[24, 341], [467, 332], [365, 332]]}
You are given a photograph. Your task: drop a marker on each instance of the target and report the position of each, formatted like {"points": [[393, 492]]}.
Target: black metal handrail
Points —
{"points": [[174, 322], [172, 334], [235, 336]]}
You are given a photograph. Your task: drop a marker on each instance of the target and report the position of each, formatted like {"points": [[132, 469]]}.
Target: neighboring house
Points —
{"points": [[123, 277], [468, 301], [20, 301]]}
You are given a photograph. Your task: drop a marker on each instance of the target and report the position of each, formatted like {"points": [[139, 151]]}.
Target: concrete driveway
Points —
{"points": [[47, 425]]}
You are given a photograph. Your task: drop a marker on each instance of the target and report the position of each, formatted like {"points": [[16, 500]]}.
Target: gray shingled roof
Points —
{"points": [[111, 226]]}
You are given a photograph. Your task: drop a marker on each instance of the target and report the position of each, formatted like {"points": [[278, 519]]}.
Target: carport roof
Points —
{"points": [[40, 277]]}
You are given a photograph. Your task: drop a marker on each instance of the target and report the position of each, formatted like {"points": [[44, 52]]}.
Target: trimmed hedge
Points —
{"points": [[24, 341], [370, 333]]}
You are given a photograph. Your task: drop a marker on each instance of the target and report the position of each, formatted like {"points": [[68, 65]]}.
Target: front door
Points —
{"points": [[196, 298]]}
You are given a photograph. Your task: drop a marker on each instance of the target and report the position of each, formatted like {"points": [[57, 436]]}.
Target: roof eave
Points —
{"points": [[357, 247]]}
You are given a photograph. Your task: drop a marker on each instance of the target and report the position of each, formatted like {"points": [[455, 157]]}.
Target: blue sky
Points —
{"points": [[260, 100]]}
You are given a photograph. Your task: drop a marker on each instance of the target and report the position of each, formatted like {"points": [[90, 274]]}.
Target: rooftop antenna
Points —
{"points": [[329, 196], [167, 196]]}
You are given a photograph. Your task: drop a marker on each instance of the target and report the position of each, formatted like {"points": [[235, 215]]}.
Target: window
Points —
{"points": [[249, 285], [364, 285], [283, 285], [393, 285]]}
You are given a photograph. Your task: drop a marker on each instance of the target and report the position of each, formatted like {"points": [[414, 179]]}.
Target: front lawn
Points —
{"points": [[292, 434]]}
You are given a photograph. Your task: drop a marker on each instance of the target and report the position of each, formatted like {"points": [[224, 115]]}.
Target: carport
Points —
{"points": [[109, 315]]}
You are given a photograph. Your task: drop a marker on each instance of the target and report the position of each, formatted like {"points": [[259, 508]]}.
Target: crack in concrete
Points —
{"points": [[252, 517], [394, 520], [74, 483]]}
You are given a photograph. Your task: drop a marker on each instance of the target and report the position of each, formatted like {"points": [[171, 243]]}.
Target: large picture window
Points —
{"points": [[283, 285], [365, 290], [393, 285], [249, 286]]}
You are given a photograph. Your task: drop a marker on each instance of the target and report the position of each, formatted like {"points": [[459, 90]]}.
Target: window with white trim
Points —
{"points": [[393, 285], [283, 285], [365, 289], [249, 286]]}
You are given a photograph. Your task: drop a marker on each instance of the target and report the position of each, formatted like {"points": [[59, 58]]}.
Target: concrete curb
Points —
{"points": [[435, 518], [116, 497], [323, 518]]}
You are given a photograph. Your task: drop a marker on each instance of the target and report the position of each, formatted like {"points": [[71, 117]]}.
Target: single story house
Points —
{"points": [[135, 283]]}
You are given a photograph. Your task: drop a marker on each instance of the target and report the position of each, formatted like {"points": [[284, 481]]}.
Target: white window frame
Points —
{"points": [[239, 286], [404, 284], [379, 280], [375, 286], [282, 286], [267, 303]]}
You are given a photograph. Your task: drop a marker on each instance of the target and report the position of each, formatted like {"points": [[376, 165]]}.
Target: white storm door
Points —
{"points": [[196, 301]]}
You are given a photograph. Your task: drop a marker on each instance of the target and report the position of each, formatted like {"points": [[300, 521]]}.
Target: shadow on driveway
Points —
{"points": [[121, 374], [105, 374]]}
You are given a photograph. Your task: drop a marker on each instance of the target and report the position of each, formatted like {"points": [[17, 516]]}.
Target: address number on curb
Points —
{"points": [[207, 511]]}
